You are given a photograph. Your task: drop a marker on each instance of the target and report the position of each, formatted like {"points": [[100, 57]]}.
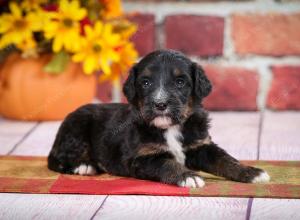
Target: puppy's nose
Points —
{"points": [[160, 106]]}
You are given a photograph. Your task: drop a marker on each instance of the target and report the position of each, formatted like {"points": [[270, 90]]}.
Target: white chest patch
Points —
{"points": [[172, 136]]}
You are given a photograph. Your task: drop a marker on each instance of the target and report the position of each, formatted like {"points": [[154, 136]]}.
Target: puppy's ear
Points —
{"points": [[129, 86], [202, 86]]}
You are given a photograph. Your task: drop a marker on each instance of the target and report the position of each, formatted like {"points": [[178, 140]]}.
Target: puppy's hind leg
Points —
{"points": [[71, 157], [71, 149]]}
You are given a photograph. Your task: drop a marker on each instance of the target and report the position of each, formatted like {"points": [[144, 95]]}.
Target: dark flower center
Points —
{"points": [[96, 47], [68, 22], [20, 24]]}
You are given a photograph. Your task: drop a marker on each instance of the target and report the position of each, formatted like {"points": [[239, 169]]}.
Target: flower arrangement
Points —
{"points": [[92, 32]]}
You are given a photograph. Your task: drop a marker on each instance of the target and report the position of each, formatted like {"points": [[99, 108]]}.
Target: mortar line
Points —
{"points": [[159, 36], [260, 127]]}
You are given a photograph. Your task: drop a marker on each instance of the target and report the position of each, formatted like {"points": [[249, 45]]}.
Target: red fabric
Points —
{"points": [[120, 186]]}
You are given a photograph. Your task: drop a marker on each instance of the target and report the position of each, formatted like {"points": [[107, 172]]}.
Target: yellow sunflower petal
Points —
{"points": [[35, 21], [6, 22], [89, 64], [15, 10], [63, 5], [105, 66], [98, 27], [80, 14], [88, 31], [78, 57], [57, 44]]}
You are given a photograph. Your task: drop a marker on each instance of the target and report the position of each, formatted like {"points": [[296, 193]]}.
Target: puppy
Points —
{"points": [[161, 135]]}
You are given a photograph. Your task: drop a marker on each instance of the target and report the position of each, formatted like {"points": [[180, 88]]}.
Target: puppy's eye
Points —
{"points": [[180, 82], [146, 83]]}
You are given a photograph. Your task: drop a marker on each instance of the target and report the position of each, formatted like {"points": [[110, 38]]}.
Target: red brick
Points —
{"points": [[144, 38], [284, 93], [233, 88], [269, 34], [104, 91], [195, 35]]}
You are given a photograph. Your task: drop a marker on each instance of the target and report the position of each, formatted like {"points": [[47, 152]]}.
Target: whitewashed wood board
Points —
{"points": [[39, 206], [40, 141], [280, 137], [164, 207], [12, 132], [236, 132], [275, 209]]}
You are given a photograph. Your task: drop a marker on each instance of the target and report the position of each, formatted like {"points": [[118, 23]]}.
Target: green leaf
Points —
{"points": [[58, 63]]}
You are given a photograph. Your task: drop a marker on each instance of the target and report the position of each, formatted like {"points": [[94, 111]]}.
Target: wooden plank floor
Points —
{"points": [[244, 135]]}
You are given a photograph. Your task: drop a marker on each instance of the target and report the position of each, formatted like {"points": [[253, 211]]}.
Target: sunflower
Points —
{"points": [[98, 48], [126, 50], [128, 56], [17, 27], [64, 28]]}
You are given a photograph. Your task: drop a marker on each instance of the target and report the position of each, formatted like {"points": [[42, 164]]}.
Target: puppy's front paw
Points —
{"points": [[192, 182], [262, 177], [254, 175], [85, 169]]}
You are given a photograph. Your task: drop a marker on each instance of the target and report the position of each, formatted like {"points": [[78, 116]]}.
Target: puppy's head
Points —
{"points": [[164, 86]]}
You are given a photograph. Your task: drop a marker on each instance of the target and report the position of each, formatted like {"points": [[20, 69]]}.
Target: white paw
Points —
{"points": [[84, 169], [192, 182], [263, 177]]}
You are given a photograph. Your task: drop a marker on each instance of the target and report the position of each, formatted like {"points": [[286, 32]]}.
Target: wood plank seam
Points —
{"points": [[99, 209], [249, 208], [23, 138], [260, 125]]}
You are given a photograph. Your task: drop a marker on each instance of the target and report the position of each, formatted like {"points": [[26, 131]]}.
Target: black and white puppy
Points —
{"points": [[161, 135]]}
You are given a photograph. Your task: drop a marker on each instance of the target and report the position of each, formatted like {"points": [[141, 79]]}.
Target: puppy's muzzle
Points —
{"points": [[161, 106], [161, 99]]}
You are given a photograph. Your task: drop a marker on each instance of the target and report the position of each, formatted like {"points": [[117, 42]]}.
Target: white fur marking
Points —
{"points": [[161, 94], [76, 170], [174, 145], [263, 177], [193, 182], [84, 169], [162, 122]]}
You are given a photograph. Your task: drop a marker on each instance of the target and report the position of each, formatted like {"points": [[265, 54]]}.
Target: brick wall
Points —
{"points": [[249, 49]]}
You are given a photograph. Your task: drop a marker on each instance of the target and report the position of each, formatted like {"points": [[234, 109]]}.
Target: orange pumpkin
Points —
{"points": [[29, 93]]}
